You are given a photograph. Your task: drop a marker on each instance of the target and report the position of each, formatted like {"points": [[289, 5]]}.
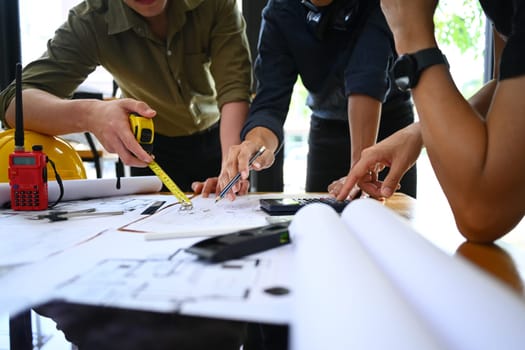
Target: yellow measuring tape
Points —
{"points": [[172, 186], [142, 128]]}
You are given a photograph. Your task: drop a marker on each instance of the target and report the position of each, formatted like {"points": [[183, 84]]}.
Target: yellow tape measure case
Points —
{"points": [[143, 129]]}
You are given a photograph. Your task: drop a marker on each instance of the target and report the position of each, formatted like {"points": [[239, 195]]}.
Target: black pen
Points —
{"points": [[238, 176]]}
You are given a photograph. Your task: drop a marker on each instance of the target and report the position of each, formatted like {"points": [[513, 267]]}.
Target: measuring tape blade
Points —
{"points": [[168, 182]]}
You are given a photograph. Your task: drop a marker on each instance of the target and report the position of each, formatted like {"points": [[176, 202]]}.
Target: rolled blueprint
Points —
{"points": [[462, 304], [342, 299], [94, 188]]}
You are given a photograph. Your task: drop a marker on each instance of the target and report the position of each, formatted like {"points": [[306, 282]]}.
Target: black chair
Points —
{"points": [[95, 154]]}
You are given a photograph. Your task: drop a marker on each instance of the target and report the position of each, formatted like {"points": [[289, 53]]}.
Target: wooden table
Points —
{"points": [[505, 259]]}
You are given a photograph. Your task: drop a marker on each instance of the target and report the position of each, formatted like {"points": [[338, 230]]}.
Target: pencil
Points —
{"points": [[238, 176]]}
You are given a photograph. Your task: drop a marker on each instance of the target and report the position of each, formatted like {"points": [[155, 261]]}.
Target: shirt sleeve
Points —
{"points": [[230, 55], [70, 57], [367, 69], [513, 56], [276, 74]]}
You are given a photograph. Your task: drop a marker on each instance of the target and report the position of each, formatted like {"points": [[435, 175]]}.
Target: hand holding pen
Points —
{"points": [[237, 177]]}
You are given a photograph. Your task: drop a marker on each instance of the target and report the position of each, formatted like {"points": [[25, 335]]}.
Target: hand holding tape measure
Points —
{"points": [[144, 132]]}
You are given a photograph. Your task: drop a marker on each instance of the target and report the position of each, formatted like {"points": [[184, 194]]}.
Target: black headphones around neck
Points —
{"points": [[338, 15]]}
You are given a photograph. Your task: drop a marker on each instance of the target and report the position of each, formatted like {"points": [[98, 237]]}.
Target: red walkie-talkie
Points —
{"points": [[27, 170]]}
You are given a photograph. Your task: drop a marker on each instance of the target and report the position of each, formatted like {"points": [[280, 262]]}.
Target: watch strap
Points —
{"points": [[429, 57], [408, 67]]}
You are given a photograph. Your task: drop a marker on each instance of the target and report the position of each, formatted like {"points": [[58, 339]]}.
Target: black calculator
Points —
{"points": [[289, 206]]}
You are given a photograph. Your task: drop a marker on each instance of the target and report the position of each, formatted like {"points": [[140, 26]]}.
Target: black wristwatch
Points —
{"points": [[407, 68]]}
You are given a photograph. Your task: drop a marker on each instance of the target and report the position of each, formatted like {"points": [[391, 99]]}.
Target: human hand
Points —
{"points": [[206, 187], [398, 152], [411, 22], [109, 122], [237, 161], [336, 187]]}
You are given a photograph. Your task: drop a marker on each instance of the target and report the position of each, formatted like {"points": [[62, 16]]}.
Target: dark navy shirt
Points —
{"points": [[329, 70], [508, 17]]}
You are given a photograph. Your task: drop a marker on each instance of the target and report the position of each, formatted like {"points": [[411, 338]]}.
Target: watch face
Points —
{"points": [[403, 72]]}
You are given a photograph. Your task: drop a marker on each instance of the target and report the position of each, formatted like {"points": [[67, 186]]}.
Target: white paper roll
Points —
{"points": [[94, 188], [342, 300], [466, 308]]}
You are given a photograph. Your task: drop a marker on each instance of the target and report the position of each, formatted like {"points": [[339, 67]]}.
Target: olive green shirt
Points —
{"points": [[203, 63]]}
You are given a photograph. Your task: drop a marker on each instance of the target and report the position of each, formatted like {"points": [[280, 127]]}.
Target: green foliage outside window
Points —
{"points": [[460, 32], [460, 23]]}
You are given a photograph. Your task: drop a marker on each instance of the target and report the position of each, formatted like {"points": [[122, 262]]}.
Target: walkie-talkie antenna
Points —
{"points": [[19, 127]]}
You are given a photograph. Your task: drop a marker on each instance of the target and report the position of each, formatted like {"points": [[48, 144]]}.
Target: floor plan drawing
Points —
{"points": [[160, 284]]}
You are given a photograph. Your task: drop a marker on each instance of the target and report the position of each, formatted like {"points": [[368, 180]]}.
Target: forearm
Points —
{"points": [[478, 161], [481, 100], [107, 120], [233, 116], [363, 117], [478, 164], [411, 23], [453, 132], [48, 114]]}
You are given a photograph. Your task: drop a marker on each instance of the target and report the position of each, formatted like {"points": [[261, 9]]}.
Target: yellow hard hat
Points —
{"points": [[67, 161]]}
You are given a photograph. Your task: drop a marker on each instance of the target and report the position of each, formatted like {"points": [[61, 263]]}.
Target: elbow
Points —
{"points": [[483, 235], [9, 116], [484, 224]]}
